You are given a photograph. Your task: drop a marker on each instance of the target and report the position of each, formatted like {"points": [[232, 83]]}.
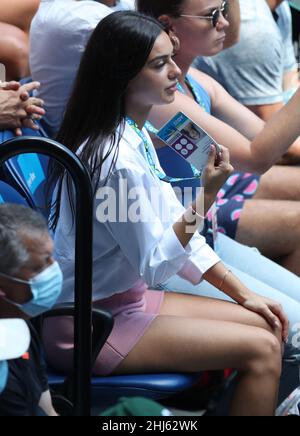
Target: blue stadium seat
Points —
{"points": [[10, 195], [106, 391], [27, 173]]}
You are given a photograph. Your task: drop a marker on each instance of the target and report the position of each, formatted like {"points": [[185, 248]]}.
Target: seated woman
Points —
{"points": [[255, 147], [143, 235], [15, 19]]}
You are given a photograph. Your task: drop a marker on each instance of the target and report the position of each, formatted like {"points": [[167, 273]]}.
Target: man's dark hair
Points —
{"points": [[156, 8]]}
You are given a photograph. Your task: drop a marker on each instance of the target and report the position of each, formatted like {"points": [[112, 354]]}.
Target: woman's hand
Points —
{"points": [[217, 170], [216, 173], [270, 310]]}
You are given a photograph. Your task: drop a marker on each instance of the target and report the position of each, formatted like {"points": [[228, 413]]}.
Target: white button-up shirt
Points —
{"points": [[58, 36], [127, 249]]}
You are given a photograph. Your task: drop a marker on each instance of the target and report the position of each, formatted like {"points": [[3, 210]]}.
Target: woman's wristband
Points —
{"points": [[195, 213], [223, 279], [192, 217]]}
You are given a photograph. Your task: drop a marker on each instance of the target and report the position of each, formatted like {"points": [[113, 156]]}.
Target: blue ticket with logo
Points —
{"points": [[188, 139]]}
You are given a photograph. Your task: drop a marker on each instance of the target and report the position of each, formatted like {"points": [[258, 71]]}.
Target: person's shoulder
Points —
{"points": [[122, 157], [284, 20], [202, 78], [89, 9], [207, 82], [126, 5], [63, 14], [255, 11]]}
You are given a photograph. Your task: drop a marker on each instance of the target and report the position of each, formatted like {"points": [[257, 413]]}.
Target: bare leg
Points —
{"points": [[197, 306], [187, 343], [19, 13], [14, 51], [280, 183], [273, 227]]}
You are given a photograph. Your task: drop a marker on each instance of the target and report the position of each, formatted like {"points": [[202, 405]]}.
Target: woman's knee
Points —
{"points": [[261, 322], [277, 334], [265, 355]]}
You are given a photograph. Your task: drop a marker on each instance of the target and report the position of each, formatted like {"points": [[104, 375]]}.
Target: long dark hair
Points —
{"points": [[116, 52], [156, 8]]}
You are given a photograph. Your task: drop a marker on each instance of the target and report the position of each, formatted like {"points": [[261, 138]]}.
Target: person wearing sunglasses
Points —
{"points": [[213, 16], [261, 70], [254, 149], [268, 222], [229, 10]]}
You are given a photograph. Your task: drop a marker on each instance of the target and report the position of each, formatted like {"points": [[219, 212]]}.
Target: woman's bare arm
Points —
{"points": [[254, 146]]}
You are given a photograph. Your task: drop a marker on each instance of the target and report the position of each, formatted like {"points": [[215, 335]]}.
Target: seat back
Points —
{"points": [[10, 195], [106, 391], [27, 173]]}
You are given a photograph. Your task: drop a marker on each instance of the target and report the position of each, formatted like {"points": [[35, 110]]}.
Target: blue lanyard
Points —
{"points": [[151, 162], [194, 91], [154, 131]]}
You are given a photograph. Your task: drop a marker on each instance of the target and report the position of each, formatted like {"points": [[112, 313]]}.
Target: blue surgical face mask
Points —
{"points": [[45, 288], [3, 375]]}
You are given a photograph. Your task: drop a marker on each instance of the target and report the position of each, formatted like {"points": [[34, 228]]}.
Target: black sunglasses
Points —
{"points": [[215, 15]]}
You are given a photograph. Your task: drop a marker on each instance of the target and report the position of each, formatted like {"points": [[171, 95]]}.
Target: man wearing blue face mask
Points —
{"points": [[30, 283]]}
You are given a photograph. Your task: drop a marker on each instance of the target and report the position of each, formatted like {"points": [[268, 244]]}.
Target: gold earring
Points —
{"points": [[175, 42]]}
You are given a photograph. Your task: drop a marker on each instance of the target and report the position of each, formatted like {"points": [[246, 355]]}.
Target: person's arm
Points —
{"points": [[155, 249], [234, 18], [213, 179], [266, 112], [291, 80], [266, 148], [224, 133], [224, 280], [254, 147], [109, 3], [46, 404]]}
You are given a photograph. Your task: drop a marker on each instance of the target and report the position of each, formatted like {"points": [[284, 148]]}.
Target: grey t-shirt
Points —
{"points": [[252, 70]]}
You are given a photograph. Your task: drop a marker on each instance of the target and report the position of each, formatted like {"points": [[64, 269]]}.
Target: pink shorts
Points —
{"points": [[133, 311]]}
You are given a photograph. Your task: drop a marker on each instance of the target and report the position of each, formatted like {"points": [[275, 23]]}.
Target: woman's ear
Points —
{"points": [[166, 21], [168, 24]]}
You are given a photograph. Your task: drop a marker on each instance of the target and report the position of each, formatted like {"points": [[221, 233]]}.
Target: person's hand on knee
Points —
{"points": [[271, 310]]}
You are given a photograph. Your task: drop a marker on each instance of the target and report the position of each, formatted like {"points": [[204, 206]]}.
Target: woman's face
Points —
{"points": [[193, 133], [198, 37], [156, 84]]}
